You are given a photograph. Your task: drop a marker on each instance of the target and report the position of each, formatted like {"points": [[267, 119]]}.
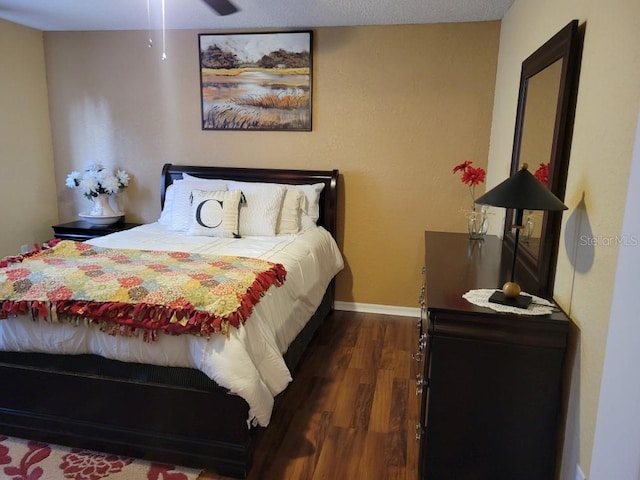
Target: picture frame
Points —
{"points": [[256, 81]]}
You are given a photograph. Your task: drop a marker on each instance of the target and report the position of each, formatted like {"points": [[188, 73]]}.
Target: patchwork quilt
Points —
{"points": [[124, 291]]}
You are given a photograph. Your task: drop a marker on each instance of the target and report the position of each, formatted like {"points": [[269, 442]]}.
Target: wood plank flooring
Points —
{"points": [[352, 409]]}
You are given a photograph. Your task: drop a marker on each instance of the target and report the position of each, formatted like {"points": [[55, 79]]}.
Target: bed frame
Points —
{"points": [[173, 415]]}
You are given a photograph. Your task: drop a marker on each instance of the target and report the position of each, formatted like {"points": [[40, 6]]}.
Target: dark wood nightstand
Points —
{"points": [[82, 230]]}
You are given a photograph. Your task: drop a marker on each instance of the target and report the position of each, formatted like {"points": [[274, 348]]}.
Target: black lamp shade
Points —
{"points": [[522, 191]]}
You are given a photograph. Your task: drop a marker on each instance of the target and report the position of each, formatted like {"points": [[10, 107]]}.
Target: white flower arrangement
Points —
{"points": [[96, 179]]}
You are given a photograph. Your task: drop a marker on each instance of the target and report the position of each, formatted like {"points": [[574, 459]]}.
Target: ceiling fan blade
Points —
{"points": [[223, 7]]}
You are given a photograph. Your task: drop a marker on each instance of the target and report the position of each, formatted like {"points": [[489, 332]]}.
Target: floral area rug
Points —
{"points": [[30, 460]]}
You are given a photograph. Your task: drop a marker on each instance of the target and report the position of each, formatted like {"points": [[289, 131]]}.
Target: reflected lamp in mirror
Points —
{"points": [[522, 191]]}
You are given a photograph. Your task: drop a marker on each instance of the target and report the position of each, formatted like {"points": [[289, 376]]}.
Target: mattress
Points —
{"points": [[250, 361]]}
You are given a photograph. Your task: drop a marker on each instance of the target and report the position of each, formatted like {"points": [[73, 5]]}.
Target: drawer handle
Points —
{"points": [[420, 384], [422, 343]]}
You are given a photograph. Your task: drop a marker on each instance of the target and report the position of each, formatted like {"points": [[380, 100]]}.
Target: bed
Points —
{"points": [[176, 414]]}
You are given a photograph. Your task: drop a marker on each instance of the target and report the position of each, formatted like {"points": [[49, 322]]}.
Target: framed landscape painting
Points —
{"points": [[256, 81]]}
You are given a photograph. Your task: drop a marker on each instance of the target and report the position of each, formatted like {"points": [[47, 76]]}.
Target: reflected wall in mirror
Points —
{"points": [[543, 130]]}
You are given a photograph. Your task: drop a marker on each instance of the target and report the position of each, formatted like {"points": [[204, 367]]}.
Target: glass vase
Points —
{"points": [[528, 226], [477, 222]]}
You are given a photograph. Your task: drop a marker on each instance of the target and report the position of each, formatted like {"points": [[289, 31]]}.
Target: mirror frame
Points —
{"points": [[537, 275]]}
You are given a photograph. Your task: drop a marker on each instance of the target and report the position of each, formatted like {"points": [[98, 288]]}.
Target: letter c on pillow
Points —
{"points": [[213, 213]]}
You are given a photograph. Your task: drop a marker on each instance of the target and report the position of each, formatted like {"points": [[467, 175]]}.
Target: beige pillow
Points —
{"points": [[291, 211]]}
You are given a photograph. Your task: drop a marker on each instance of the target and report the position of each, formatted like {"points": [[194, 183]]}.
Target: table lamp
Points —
{"points": [[522, 191]]}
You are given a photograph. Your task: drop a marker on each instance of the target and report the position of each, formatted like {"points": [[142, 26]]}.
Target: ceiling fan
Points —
{"points": [[222, 7]]}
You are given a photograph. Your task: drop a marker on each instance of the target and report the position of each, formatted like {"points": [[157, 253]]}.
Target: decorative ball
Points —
{"points": [[511, 290]]}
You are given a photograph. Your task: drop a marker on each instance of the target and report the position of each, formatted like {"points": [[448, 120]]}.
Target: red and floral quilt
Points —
{"points": [[125, 290]]}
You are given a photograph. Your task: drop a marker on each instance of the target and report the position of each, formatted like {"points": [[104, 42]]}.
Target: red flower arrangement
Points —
{"points": [[471, 176], [542, 174]]}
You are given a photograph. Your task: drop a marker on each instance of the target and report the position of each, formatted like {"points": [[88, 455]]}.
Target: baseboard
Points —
{"points": [[374, 308]]}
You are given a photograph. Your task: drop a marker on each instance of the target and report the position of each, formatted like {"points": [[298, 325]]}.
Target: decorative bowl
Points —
{"points": [[101, 220]]}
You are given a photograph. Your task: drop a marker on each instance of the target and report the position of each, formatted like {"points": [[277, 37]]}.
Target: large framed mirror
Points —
{"points": [[542, 140]]}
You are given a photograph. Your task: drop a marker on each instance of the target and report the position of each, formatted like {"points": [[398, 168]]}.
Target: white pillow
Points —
{"points": [[186, 176], [214, 214], [181, 211], [261, 208], [165, 214], [291, 211]]}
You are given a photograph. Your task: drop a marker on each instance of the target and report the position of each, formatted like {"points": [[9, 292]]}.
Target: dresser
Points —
{"points": [[490, 387]]}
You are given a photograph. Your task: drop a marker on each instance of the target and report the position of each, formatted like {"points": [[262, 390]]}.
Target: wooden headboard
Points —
{"points": [[328, 197]]}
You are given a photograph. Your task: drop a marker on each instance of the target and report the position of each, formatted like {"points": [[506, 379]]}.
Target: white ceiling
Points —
{"points": [[66, 15]]}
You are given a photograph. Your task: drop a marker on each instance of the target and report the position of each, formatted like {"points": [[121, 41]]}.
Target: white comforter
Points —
{"points": [[249, 363]]}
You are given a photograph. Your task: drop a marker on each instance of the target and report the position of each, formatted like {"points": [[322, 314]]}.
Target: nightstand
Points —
{"points": [[82, 230]]}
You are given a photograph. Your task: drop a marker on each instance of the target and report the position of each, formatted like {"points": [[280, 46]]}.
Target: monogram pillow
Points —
{"points": [[215, 214], [181, 205]]}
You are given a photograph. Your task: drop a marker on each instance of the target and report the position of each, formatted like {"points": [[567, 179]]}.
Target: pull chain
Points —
{"points": [[164, 50], [164, 28], [150, 44]]}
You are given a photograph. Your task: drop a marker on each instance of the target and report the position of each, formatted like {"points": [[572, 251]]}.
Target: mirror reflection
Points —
{"points": [[536, 145]]}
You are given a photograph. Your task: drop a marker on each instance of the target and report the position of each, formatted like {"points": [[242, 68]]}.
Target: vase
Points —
{"points": [[102, 207], [528, 226], [477, 222]]}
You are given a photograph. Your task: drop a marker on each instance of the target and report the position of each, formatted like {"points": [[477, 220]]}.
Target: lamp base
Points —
{"points": [[521, 301]]}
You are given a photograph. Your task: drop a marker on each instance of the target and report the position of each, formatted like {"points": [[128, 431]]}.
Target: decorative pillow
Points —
{"points": [[165, 215], [259, 213], [215, 214], [311, 210], [292, 205], [181, 211]]}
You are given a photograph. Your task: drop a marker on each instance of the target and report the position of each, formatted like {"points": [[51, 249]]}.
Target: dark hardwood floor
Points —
{"points": [[352, 409]]}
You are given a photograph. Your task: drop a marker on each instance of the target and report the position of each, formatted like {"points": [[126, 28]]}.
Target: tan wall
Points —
{"points": [[394, 108], [28, 205], [606, 114]]}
